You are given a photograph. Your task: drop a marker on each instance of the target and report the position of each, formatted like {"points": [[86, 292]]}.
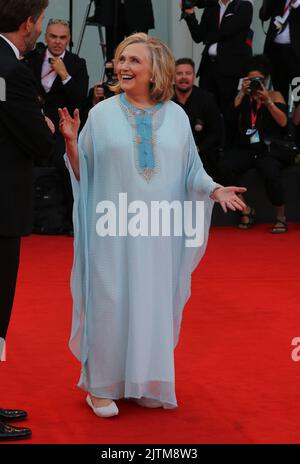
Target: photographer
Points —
{"points": [[121, 18], [224, 30], [203, 112], [100, 91], [259, 116], [282, 44]]}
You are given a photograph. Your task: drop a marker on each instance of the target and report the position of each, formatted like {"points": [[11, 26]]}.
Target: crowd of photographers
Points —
{"points": [[239, 110]]}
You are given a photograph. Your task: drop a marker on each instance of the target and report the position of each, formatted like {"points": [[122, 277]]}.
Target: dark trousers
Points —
{"points": [[238, 160], [224, 88], [59, 162], [285, 67], [209, 161], [9, 265]]}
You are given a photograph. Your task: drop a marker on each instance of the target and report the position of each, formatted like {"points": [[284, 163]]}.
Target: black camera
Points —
{"points": [[256, 83], [109, 79], [187, 4]]}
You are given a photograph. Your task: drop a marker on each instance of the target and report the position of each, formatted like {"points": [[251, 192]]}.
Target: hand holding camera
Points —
{"points": [[98, 93], [187, 6], [253, 86]]}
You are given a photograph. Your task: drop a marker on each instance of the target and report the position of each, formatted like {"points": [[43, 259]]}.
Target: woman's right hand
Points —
{"points": [[69, 126], [245, 85]]}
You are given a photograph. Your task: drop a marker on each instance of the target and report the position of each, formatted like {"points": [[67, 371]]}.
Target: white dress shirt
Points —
{"points": [[48, 74], [285, 37]]}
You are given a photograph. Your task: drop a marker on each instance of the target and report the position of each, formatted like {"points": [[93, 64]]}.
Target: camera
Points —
{"points": [[256, 83], [187, 4], [109, 79]]}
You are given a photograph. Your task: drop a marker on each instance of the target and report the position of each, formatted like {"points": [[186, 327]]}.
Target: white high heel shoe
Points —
{"points": [[103, 411]]}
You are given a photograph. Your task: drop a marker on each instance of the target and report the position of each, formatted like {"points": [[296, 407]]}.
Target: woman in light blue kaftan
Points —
{"points": [[129, 290]]}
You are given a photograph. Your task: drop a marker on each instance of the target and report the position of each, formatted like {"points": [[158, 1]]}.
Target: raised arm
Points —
{"points": [[69, 127]]}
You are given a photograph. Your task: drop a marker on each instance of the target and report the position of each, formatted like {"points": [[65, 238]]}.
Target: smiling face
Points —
{"points": [[184, 77], [134, 70]]}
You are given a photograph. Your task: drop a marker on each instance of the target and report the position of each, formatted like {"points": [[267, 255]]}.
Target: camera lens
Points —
{"points": [[255, 84]]}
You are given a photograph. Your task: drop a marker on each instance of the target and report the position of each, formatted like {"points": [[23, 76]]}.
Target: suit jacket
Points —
{"points": [[138, 13], [24, 136], [201, 106], [231, 36], [71, 95], [272, 8]]}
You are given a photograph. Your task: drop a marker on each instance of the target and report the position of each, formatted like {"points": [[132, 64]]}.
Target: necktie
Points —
{"points": [[287, 6], [47, 76]]}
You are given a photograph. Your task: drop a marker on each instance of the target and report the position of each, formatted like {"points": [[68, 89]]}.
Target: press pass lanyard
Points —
{"points": [[254, 112]]}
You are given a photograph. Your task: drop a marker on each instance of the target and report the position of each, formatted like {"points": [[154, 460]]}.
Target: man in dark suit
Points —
{"points": [[24, 136], [225, 31], [203, 112], [282, 44], [121, 18], [62, 80]]}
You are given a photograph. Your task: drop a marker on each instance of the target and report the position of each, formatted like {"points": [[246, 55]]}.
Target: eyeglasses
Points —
{"points": [[64, 22]]}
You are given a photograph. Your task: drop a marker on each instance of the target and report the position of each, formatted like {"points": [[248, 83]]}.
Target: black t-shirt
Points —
{"points": [[205, 119], [252, 116]]}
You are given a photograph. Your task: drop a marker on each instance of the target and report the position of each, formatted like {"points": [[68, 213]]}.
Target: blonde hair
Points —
{"points": [[162, 64]]}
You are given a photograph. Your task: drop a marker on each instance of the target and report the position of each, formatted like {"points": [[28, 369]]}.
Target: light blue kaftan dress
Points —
{"points": [[129, 291]]}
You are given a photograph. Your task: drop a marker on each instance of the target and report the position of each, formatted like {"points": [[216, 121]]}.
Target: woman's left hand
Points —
{"points": [[228, 198]]}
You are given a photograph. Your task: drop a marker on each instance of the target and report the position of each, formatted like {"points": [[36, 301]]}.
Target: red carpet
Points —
{"points": [[236, 381]]}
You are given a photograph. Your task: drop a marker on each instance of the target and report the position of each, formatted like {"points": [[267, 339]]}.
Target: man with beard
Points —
{"points": [[25, 134], [203, 112]]}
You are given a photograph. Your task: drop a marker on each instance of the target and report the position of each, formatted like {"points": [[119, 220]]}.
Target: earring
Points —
{"points": [[152, 80]]}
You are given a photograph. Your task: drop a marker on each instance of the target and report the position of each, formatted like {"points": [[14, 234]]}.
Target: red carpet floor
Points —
{"points": [[236, 381]]}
